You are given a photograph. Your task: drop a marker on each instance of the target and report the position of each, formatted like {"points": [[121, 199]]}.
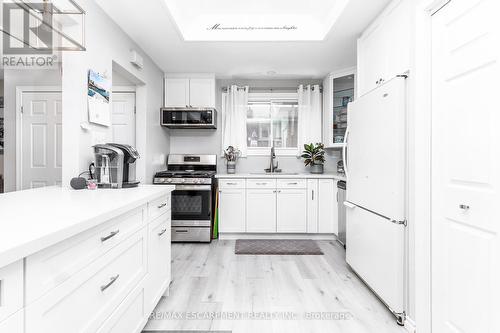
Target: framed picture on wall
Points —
{"points": [[1, 133], [99, 87]]}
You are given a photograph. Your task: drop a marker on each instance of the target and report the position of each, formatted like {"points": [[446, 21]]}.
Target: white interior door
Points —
{"points": [[123, 118], [41, 139], [466, 167], [376, 158]]}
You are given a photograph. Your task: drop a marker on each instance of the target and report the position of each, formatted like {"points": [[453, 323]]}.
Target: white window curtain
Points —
{"points": [[234, 115], [310, 111]]}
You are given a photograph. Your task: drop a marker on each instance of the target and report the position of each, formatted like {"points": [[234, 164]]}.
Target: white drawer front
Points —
{"points": [[49, 268], [231, 183], [129, 317], [261, 183], [159, 206], [83, 302], [11, 289], [292, 183]]}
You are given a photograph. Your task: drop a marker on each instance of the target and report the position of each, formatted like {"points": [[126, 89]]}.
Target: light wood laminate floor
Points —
{"points": [[211, 286]]}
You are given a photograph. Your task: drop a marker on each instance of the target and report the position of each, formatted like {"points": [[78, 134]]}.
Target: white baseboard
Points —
{"points": [[410, 325], [232, 236]]}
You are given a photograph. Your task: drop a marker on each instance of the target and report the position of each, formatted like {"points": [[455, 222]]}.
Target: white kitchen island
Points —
{"points": [[295, 205], [86, 261]]}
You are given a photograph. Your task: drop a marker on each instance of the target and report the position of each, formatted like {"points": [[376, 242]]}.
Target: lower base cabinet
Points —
{"points": [[291, 215], [131, 315], [159, 265], [232, 210], [261, 210]]}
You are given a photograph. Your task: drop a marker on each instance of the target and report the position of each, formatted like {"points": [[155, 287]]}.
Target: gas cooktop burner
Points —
{"points": [[185, 174]]}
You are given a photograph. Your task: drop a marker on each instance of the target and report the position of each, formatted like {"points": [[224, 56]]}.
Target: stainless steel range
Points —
{"points": [[193, 197]]}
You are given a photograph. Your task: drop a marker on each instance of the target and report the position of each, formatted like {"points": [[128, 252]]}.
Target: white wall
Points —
{"points": [[106, 45], [15, 78], [210, 142]]}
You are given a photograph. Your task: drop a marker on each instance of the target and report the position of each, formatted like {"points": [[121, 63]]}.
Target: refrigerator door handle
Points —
{"points": [[344, 151], [349, 205]]}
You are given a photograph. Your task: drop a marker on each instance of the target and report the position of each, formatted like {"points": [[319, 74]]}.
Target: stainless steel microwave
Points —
{"points": [[188, 117]]}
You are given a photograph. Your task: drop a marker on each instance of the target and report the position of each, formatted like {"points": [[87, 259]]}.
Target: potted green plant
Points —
{"points": [[231, 155], [314, 157]]}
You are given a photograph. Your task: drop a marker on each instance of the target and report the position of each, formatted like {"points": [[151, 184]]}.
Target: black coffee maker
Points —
{"points": [[130, 155]]}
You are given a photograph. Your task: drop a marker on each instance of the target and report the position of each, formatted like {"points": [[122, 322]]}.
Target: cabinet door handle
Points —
{"points": [[162, 232], [111, 281], [312, 194], [111, 235], [162, 205]]}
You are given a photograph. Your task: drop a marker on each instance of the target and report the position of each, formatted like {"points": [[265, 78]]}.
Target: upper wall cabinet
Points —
{"points": [[338, 91], [384, 47], [189, 91]]}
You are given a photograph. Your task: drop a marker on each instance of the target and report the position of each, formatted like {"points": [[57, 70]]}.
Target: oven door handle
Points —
{"points": [[193, 187]]}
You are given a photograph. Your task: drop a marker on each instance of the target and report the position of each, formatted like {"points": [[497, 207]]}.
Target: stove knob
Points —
{"points": [[168, 180]]}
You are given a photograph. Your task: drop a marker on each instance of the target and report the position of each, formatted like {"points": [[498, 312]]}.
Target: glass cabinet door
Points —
{"points": [[343, 94]]}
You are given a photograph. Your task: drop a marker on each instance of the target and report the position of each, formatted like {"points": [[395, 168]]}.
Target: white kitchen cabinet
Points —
{"points": [[291, 210], [11, 289], [232, 204], [189, 91], [383, 49], [159, 258], [13, 324], [261, 210], [327, 206], [312, 206], [201, 92], [176, 92], [339, 90]]}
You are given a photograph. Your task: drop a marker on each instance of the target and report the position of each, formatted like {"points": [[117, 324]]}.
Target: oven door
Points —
{"points": [[192, 205]]}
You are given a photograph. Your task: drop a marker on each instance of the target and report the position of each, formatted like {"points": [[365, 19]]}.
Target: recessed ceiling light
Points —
{"points": [[256, 20]]}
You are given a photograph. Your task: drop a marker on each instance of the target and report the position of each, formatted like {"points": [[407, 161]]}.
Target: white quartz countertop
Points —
{"points": [[284, 175], [35, 219]]}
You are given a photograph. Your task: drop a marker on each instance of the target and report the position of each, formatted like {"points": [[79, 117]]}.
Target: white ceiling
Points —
{"points": [[151, 25], [255, 20]]}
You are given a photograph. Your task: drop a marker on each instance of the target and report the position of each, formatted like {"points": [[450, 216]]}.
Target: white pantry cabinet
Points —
{"points": [[232, 209], [383, 48], [291, 210], [189, 91]]}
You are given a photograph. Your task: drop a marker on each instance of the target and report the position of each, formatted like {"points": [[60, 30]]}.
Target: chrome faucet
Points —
{"points": [[273, 168]]}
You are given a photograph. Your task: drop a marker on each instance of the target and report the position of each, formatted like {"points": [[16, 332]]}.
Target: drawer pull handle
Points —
{"points": [[111, 281], [181, 231], [292, 183], [111, 235], [162, 205], [162, 232], [232, 183], [260, 183], [464, 207]]}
